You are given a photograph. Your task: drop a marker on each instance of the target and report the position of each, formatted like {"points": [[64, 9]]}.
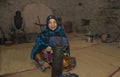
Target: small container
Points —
{"points": [[90, 39]]}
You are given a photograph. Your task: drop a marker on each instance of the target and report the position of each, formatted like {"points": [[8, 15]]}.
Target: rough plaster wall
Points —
{"points": [[87, 10], [8, 8], [31, 13], [69, 10], [91, 10], [107, 10]]}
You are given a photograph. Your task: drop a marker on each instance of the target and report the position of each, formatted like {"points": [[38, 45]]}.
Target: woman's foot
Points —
{"points": [[42, 66]]}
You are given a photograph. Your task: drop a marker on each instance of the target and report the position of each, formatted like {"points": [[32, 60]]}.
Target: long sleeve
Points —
{"points": [[35, 48], [40, 43]]}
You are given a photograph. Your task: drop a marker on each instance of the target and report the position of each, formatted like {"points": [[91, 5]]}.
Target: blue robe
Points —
{"points": [[43, 39]]}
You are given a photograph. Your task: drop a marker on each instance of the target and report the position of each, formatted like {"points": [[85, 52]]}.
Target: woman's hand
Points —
{"points": [[66, 54], [45, 64]]}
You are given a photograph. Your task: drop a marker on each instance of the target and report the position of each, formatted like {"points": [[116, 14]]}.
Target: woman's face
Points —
{"points": [[52, 24]]}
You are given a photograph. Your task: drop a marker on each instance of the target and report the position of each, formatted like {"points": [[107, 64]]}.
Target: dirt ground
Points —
{"points": [[93, 59]]}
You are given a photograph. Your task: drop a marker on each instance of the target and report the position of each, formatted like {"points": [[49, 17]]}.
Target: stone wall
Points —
{"points": [[30, 12], [68, 10], [95, 11]]}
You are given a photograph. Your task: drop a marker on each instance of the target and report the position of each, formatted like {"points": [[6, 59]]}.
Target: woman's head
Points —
{"points": [[52, 22]]}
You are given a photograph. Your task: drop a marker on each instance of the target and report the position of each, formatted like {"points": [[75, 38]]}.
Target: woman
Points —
{"points": [[44, 42]]}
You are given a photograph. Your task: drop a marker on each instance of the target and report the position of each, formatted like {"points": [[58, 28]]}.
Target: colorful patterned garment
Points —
{"points": [[68, 62]]}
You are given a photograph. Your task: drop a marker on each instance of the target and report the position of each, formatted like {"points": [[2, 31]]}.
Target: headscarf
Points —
{"points": [[50, 17]]}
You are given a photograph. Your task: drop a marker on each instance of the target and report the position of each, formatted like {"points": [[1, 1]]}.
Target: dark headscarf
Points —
{"points": [[51, 17], [43, 39]]}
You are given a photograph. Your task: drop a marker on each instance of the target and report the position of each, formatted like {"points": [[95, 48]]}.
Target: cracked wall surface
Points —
{"points": [[68, 10]]}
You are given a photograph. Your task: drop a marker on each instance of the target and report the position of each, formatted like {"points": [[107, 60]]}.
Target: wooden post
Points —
{"points": [[57, 64]]}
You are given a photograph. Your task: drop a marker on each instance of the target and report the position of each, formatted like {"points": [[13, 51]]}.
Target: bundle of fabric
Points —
{"points": [[47, 54], [70, 75], [69, 63]]}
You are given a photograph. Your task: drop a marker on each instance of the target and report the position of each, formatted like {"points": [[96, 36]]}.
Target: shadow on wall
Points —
{"points": [[3, 1], [31, 13]]}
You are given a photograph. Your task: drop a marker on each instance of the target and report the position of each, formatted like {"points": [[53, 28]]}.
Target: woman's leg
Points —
{"points": [[40, 62]]}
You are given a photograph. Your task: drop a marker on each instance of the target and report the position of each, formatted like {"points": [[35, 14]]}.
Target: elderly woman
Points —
{"points": [[46, 40]]}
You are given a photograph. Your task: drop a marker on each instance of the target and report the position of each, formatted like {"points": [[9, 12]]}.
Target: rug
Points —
{"points": [[16, 58]]}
